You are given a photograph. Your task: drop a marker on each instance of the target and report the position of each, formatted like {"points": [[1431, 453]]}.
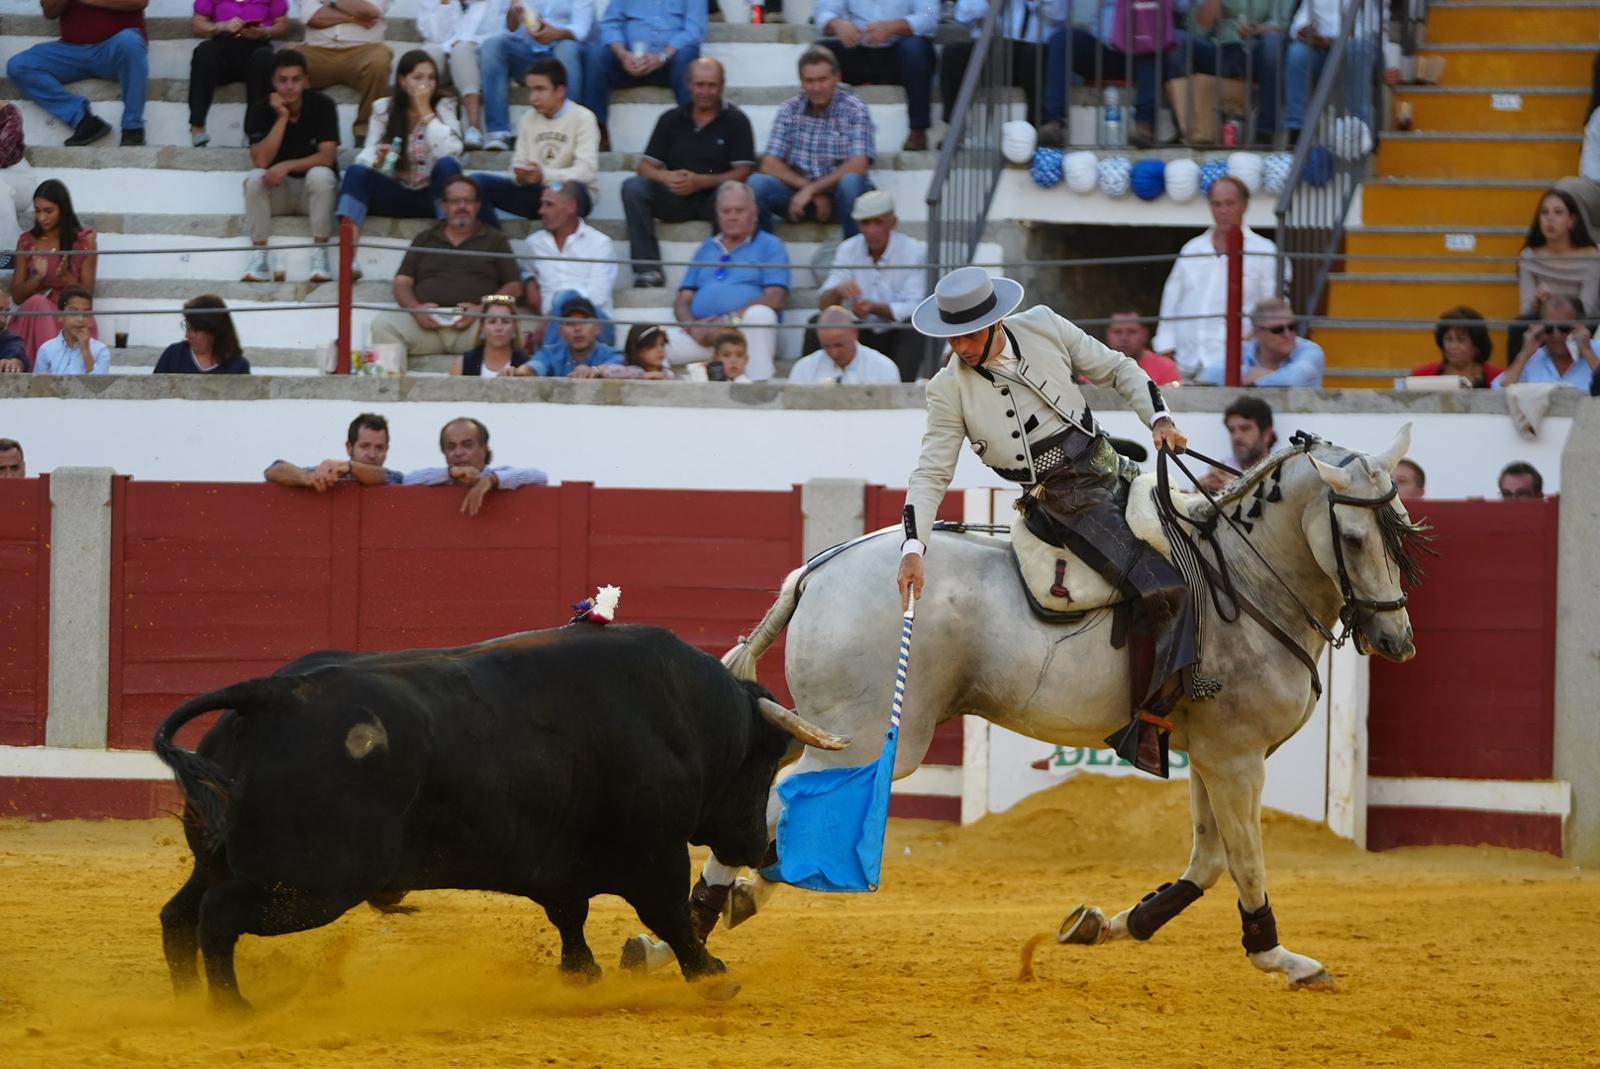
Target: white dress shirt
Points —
{"points": [[1198, 286], [869, 368], [1022, 20], [556, 269], [345, 34], [899, 280]]}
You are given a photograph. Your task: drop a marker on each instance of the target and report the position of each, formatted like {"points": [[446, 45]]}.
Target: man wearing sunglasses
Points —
{"points": [[1559, 350], [1275, 355]]}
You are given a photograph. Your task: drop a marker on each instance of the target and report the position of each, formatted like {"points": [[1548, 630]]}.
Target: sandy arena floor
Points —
{"points": [[1443, 957]]}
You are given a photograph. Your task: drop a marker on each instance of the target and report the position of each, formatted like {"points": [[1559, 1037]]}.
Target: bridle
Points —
{"points": [[1357, 610]]}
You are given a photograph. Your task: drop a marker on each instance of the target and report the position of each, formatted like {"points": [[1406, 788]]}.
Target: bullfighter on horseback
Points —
{"points": [[1012, 394]]}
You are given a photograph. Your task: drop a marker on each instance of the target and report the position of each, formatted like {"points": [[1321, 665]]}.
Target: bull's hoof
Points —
{"points": [[390, 903], [717, 988], [1084, 926], [1321, 980], [742, 904], [581, 975], [230, 1004]]}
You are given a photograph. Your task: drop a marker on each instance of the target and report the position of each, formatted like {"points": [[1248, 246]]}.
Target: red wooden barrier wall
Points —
{"points": [[1478, 700], [24, 610]]}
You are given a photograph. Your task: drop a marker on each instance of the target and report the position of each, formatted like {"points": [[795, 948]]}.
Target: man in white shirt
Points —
{"points": [[566, 258], [344, 46], [880, 275], [843, 360], [1316, 25], [1198, 284], [557, 141]]}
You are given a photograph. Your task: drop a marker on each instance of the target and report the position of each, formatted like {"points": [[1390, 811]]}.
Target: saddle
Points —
{"points": [[1059, 585]]}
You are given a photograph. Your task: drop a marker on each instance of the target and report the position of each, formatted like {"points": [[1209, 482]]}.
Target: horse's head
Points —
{"points": [[1358, 532]]}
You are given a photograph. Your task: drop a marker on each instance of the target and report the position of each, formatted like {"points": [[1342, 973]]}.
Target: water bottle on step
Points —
{"points": [[1113, 133]]}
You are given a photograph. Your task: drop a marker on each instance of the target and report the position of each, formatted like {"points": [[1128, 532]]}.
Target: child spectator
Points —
{"points": [[74, 351], [731, 352], [644, 356]]}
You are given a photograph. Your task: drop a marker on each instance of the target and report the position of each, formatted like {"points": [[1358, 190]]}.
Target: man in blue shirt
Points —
{"points": [[1559, 350], [886, 42], [642, 42], [578, 350], [740, 277], [73, 351], [464, 441], [1276, 356]]}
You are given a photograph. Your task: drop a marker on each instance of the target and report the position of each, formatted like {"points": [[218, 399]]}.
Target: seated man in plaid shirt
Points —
{"points": [[822, 143]]}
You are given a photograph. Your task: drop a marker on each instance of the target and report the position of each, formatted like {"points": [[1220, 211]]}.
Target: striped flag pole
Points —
{"points": [[906, 620]]}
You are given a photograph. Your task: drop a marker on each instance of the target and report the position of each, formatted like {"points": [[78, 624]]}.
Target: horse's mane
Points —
{"points": [[1246, 483]]}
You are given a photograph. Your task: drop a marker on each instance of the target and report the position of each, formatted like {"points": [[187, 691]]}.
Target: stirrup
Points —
{"points": [[1143, 743]]}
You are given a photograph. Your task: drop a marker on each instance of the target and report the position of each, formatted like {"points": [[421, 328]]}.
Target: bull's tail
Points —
{"points": [[741, 660], [203, 783]]}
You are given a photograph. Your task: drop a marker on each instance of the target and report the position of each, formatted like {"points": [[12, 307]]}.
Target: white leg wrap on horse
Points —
{"points": [[716, 874], [657, 955], [1117, 928], [1297, 967]]}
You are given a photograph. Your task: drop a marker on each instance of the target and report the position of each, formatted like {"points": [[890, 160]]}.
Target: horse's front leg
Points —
{"points": [[1207, 860], [1236, 801]]}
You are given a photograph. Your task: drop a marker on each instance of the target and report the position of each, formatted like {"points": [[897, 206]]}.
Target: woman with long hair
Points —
{"points": [[497, 354], [1464, 348], [42, 272], [1559, 256], [210, 345], [412, 144]]}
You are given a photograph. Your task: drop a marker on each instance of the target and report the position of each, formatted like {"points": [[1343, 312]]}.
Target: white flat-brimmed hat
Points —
{"points": [[966, 300], [871, 204]]}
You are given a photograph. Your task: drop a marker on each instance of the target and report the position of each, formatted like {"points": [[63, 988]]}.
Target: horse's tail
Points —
{"points": [[741, 660]]}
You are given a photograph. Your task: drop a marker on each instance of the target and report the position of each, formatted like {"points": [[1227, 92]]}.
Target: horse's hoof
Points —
{"points": [[1321, 980], [636, 954], [1084, 926], [742, 904]]}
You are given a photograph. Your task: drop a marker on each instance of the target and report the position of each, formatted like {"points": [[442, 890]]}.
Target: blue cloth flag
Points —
{"points": [[830, 833]]}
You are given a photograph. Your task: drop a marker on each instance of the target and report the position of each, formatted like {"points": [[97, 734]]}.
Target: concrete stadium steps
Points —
{"points": [[1439, 154], [1420, 296], [1467, 203], [1517, 108], [1366, 356], [1463, 246], [1500, 63], [1521, 21], [141, 360]]}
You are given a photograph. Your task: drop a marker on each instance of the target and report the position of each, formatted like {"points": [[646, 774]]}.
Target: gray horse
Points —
{"points": [[1326, 523]]}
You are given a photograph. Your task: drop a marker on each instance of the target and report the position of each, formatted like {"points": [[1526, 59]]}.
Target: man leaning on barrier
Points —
{"points": [[464, 441], [366, 447]]}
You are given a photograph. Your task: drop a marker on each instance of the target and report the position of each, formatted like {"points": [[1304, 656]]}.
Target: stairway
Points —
{"points": [[1505, 123]]}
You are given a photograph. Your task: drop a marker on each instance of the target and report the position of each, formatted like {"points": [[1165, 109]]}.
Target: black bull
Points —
{"points": [[555, 765]]}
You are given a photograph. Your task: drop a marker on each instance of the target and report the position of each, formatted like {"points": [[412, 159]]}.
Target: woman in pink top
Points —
{"points": [[236, 47], [42, 273]]}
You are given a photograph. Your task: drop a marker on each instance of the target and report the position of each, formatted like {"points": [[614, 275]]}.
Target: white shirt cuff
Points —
{"points": [[912, 545]]}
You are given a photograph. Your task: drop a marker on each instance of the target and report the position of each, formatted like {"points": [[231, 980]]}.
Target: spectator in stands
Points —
{"points": [[881, 276], [723, 287], [452, 31], [1129, 335], [74, 351], [14, 358], [642, 42], [521, 36], [1088, 51], [13, 465], [497, 354], [408, 183], [886, 42], [465, 445], [843, 360], [294, 150], [557, 141], [644, 356], [210, 343], [1276, 355], [1025, 25], [1519, 479], [236, 46], [730, 352], [432, 277], [1250, 434], [98, 40], [578, 351], [344, 46], [1559, 349], [366, 447], [1312, 31], [693, 149], [569, 258], [42, 274], [817, 156], [1410, 478], [1464, 348], [1559, 256], [1239, 39], [1198, 284]]}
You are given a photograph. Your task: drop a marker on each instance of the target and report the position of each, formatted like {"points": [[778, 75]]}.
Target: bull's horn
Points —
{"points": [[799, 727], [1396, 452]]}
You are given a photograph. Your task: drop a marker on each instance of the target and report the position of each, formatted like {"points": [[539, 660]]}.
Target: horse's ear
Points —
{"points": [[1389, 458], [1336, 477]]}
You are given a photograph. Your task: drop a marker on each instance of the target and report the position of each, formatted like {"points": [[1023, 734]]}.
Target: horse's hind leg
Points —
{"points": [[1207, 860], [1236, 802]]}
